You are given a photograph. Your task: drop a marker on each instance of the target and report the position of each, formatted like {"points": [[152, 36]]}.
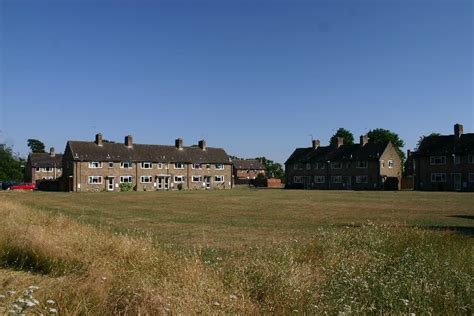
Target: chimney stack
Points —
{"points": [[364, 139], [98, 139], [458, 130], [179, 143], [340, 141], [129, 141], [316, 143], [51, 152], [202, 144]]}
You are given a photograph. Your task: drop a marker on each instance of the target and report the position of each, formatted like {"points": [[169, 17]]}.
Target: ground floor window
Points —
{"points": [[362, 179], [319, 179], [146, 179], [178, 179], [298, 179], [125, 179], [336, 179], [95, 179], [471, 177], [219, 179], [438, 177], [197, 179]]}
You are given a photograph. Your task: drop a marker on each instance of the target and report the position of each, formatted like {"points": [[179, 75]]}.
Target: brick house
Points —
{"points": [[445, 162], [246, 170], [91, 166], [363, 166], [43, 166]]}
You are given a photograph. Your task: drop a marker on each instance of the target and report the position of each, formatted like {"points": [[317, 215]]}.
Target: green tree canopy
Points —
{"points": [[35, 145], [272, 169], [423, 137], [380, 135], [342, 132], [11, 168]]}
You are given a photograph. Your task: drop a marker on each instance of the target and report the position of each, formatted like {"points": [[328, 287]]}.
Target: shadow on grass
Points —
{"points": [[463, 216], [462, 230]]}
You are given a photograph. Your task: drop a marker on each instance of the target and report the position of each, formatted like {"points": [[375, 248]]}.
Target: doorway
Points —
{"points": [[163, 183], [110, 184], [457, 181], [207, 181]]}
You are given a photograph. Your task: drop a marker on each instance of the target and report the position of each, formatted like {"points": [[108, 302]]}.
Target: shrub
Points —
{"points": [[125, 187]]}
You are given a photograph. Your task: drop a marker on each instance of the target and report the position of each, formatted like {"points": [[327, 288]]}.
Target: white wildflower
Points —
{"points": [[34, 287], [217, 304], [50, 302], [53, 310]]}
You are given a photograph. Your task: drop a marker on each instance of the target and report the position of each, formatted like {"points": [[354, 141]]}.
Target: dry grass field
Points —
{"points": [[239, 251]]}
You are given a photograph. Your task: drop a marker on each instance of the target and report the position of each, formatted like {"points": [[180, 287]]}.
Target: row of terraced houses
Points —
{"points": [[444, 162]]}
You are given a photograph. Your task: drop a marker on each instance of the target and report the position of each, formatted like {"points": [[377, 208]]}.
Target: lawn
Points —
{"points": [[240, 251]]}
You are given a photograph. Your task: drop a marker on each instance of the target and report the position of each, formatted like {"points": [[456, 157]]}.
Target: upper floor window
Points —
{"points": [[437, 160], [111, 164], [319, 179], [362, 164], [471, 177], [126, 164], [37, 169], [391, 164], [336, 165], [295, 166], [146, 165], [160, 165], [382, 164], [438, 177], [179, 165], [308, 166], [219, 179], [196, 166], [48, 169], [362, 179], [457, 159], [219, 166], [95, 164], [146, 179], [125, 179], [95, 179]]}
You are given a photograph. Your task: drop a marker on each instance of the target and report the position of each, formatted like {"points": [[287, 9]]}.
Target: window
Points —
{"points": [[178, 179], [219, 166], [336, 179], [298, 179], [219, 179], [111, 164], [471, 177], [308, 166], [320, 165], [95, 164], [362, 164], [457, 159], [166, 165], [319, 179], [438, 177], [208, 166], [295, 166], [336, 165], [437, 160], [146, 179], [126, 165], [146, 165], [37, 169], [470, 158], [362, 179], [391, 164], [382, 164], [95, 179], [196, 166], [48, 169], [197, 179], [125, 179], [179, 165], [160, 165]]}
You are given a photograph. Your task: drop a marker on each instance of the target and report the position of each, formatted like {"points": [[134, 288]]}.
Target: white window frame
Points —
{"points": [[177, 164], [178, 179], [320, 165], [95, 164], [471, 177], [146, 165], [196, 166], [319, 179], [219, 166], [48, 169], [441, 179], [338, 178], [146, 179], [38, 169], [219, 179], [334, 164], [129, 179], [128, 163], [470, 159], [197, 179], [160, 165], [111, 164], [362, 164], [98, 180], [390, 164], [434, 160], [362, 179]]}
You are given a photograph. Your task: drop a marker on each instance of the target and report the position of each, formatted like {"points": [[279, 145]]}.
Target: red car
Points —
{"points": [[23, 186]]}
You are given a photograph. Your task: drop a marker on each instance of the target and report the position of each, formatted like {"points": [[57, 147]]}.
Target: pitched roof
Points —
{"points": [[90, 151], [370, 151], [446, 144], [245, 164], [44, 160]]}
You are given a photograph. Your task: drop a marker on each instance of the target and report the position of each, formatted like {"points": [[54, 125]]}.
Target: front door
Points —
{"points": [[110, 183], [163, 183], [207, 181], [457, 181], [347, 182]]}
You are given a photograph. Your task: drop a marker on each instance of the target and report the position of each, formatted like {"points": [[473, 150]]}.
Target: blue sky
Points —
{"points": [[255, 77]]}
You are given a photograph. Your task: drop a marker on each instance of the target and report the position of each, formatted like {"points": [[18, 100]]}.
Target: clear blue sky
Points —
{"points": [[255, 77]]}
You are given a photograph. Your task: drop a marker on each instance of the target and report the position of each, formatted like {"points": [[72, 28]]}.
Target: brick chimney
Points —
{"points": [[179, 143], [129, 141], [202, 144], [364, 139], [51, 152], [340, 141], [315, 143], [98, 139], [458, 130]]}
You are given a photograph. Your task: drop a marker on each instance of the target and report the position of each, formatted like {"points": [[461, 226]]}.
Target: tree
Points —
{"points": [[423, 137], [380, 135], [35, 145], [342, 132], [11, 168], [272, 169]]}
